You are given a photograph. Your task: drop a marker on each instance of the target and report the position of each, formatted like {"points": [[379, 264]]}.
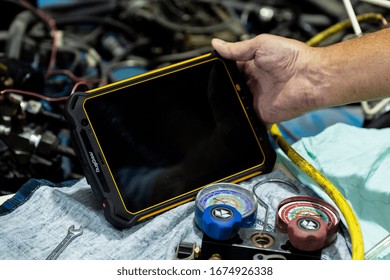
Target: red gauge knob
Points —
{"points": [[307, 233]]}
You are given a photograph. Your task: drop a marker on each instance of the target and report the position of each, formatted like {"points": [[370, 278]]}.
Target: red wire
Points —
{"points": [[34, 94], [71, 75], [52, 25]]}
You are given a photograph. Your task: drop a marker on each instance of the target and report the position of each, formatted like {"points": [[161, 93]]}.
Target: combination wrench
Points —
{"points": [[72, 234]]}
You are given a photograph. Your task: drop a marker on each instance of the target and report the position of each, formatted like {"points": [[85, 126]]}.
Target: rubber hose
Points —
{"points": [[345, 24], [17, 31], [330, 190]]}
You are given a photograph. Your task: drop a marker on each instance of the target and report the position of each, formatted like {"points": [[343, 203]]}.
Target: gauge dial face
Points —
{"points": [[228, 194], [307, 208]]}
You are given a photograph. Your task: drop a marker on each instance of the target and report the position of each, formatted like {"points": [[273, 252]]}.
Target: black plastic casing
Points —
{"points": [[97, 169]]}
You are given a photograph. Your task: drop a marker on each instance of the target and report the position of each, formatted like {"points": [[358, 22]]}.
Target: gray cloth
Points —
{"points": [[36, 227]]}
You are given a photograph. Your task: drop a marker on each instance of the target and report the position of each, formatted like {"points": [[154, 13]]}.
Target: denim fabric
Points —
{"points": [[26, 191]]}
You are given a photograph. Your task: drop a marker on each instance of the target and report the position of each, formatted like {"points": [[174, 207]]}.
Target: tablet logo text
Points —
{"points": [[94, 162]]}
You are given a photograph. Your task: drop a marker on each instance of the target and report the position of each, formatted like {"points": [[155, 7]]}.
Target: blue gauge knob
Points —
{"points": [[221, 222], [227, 194]]}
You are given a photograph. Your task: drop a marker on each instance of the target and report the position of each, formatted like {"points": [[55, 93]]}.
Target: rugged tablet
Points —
{"points": [[151, 142]]}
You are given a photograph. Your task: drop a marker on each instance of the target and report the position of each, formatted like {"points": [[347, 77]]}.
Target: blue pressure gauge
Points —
{"points": [[223, 208]]}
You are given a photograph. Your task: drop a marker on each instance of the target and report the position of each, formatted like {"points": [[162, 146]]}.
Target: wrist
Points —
{"points": [[319, 74], [328, 75]]}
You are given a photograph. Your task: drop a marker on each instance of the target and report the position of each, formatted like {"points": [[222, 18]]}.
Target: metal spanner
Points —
{"points": [[72, 234]]}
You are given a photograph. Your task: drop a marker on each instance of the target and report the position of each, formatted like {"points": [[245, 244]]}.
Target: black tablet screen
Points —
{"points": [[174, 133]]}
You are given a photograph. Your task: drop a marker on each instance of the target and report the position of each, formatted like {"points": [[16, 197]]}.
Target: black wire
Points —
{"points": [[82, 8], [332, 8], [185, 27], [174, 10], [102, 21], [139, 43], [72, 51], [177, 27], [170, 58]]}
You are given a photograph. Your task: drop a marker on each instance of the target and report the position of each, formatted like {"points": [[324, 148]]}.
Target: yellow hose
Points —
{"points": [[329, 188], [342, 25]]}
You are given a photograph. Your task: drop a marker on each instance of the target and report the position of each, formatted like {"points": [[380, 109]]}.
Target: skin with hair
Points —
{"points": [[288, 78]]}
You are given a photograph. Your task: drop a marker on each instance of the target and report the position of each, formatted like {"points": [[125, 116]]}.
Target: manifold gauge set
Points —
{"points": [[226, 214]]}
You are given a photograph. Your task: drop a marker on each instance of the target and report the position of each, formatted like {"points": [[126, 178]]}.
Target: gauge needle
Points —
{"points": [[218, 199]]}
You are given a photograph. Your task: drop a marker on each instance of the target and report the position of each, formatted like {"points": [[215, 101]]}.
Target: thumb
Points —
{"points": [[239, 51]]}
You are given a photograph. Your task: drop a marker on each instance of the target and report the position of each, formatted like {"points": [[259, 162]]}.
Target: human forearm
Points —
{"points": [[354, 70]]}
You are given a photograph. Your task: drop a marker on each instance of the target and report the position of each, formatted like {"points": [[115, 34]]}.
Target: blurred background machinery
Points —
{"points": [[52, 48]]}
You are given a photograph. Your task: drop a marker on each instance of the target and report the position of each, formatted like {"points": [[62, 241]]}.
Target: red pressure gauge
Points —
{"points": [[311, 223]]}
